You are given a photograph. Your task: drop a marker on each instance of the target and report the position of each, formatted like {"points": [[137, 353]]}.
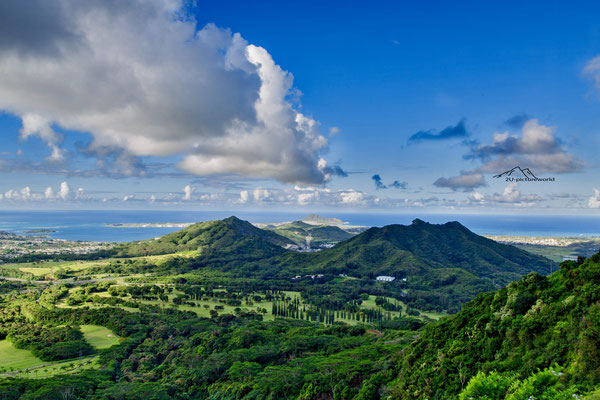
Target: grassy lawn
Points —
{"points": [[37, 272], [98, 336], [12, 358]]}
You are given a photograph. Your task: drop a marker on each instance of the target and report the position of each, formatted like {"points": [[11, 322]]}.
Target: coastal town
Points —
{"points": [[13, 246]]}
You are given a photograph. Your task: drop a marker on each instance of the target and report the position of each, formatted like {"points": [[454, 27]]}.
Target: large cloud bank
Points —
{"points": [[140, 78]]}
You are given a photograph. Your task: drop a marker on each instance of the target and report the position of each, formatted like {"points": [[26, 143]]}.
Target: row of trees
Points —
{"points": [[297, 310]]}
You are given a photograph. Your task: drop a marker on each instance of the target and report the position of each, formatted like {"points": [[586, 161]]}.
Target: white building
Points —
{"points": [[384, 278]]}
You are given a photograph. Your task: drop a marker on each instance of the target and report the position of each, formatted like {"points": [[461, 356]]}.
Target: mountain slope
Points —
{"points": [[453, 245], [230, 235], [407, 250], [534, 323], [437, 267], [298, 231]]}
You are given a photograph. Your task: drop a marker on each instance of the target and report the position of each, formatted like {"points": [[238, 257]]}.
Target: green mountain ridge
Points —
{"points": [[451, 245], [437, 267]]}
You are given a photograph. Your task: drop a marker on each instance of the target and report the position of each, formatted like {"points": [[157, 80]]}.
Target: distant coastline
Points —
{"points": [[152, 225], [556, 241], [128, 225]]}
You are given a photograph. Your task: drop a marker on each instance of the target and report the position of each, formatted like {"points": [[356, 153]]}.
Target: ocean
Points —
{"points": [[93, 225]]}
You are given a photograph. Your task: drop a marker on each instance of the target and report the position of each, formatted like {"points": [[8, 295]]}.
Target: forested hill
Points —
{"points": [[397, 250], [436, 267], [227, 235], [509, 335], [451, 245]]}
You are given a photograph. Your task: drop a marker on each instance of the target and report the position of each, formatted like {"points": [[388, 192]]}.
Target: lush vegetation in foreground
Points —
{"points": [[533, 324], [234, 316], [537, 338]]}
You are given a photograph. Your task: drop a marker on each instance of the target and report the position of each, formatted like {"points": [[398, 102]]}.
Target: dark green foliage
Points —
{"points": [[532, 324], [444, 265], [64, 387], [48, 344], [134, 391], [172, 354], [508, 342], [450, 246], [549, 384]]}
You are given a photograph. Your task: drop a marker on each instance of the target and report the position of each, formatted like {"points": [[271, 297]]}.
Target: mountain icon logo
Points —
{"points": [[517, 172]]}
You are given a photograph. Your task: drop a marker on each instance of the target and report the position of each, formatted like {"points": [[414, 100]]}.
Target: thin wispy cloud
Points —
{"points": [[592, 70]]}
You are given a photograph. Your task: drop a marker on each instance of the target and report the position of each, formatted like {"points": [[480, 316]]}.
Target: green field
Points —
{"points": [[203, 308], [22, 363], [47, 268], [98, 336], [12, 358]]}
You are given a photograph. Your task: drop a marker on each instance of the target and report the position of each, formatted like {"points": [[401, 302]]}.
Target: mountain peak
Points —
{"points": [[455, 224], [215, 235]]}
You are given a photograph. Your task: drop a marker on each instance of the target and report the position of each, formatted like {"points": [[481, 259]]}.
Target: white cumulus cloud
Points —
{"points": [[140, 78], [49, 193], [36, 125], [65, 191], [260, 194], [188, 191], [594, 201], [244, 196], [26, 193], [352, 196], [511, 196], [537, 148]]}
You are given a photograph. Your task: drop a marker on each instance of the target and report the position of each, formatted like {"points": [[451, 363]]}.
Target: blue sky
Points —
{"points": [[300, 105]]}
